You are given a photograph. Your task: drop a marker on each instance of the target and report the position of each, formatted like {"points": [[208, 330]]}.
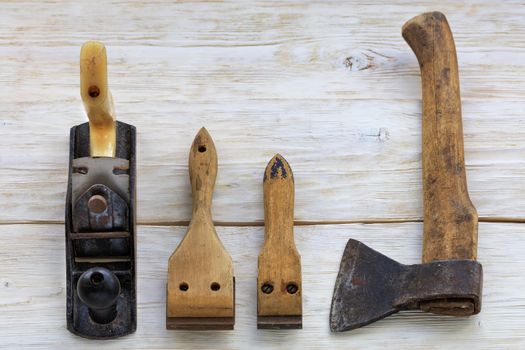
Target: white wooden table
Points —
{"points": [[331, 85]]}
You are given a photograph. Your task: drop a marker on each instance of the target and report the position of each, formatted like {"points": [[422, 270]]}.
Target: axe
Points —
{"points": [[370, 286]]}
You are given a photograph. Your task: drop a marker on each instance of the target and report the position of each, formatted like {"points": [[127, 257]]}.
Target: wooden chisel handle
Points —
{"points": [[450, 219], [279, 194], [203, 172], [97, 99], [279, 268]]}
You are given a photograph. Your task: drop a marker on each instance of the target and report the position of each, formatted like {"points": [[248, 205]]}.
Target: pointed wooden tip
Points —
{"points": [[278, 168], [203, 132], [202, 137], [203, 143]]}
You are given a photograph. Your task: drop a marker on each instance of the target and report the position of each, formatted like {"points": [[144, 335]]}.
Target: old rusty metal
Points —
{"points": [[110, 211], [100, 237], [371, 286], [97, 204], [279, 322]]}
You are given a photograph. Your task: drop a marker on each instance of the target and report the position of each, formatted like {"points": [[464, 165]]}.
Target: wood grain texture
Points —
{"points": [[32, 296], [450, 226], [450, 219], [330, 85], [279, 290], [200, 288]]}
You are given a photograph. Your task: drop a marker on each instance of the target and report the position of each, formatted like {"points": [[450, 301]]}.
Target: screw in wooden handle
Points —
{"points": [[450, 219], [279, 301], [200, 290], [97, 99]]}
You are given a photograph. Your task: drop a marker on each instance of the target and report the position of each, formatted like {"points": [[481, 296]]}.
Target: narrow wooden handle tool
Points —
{"points": [[200, 290], [97, 99], [279, 290], [450, 219]]}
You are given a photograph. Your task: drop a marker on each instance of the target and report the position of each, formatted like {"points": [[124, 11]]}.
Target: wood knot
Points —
{"points": [[365, 60], [359, 62]]}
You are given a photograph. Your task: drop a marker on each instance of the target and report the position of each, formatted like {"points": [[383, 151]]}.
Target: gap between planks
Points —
{"points": [[261, 223]]}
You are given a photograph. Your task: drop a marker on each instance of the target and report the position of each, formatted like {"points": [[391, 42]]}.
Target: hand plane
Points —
{"points": [[201, 285], [100, 211], [371, 286]]}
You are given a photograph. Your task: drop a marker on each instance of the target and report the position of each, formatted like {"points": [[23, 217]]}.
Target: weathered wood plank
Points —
{"points": [[352, 160], [330, 85], [32, 296]]}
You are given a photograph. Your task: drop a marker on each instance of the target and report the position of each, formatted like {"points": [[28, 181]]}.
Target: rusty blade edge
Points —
{"points": [[200, 323], [279, 322]]}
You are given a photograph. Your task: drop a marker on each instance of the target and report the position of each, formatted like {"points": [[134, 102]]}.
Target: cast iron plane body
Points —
{"points": [[100, 237]]}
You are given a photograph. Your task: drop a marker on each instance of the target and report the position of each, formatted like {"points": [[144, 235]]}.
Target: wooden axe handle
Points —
{"points": [[450, 219]]}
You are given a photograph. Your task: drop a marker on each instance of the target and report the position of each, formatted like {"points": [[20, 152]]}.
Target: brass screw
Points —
{"points": [[97, 204]]}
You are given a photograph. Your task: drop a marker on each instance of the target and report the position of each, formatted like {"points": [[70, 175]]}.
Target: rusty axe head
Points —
{"points": [[371, 286]]}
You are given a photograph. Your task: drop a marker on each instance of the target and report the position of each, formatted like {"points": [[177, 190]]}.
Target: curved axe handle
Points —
{"points": [[450, 219]]}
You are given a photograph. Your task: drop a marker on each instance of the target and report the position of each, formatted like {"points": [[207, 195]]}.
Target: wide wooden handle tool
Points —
{"points": [[450, 219], [279, 290], [200, 289], [97, 99]]}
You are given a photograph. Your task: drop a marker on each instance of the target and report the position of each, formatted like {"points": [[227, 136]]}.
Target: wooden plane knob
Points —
{"points": [[279, 292], [97, 99]]}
